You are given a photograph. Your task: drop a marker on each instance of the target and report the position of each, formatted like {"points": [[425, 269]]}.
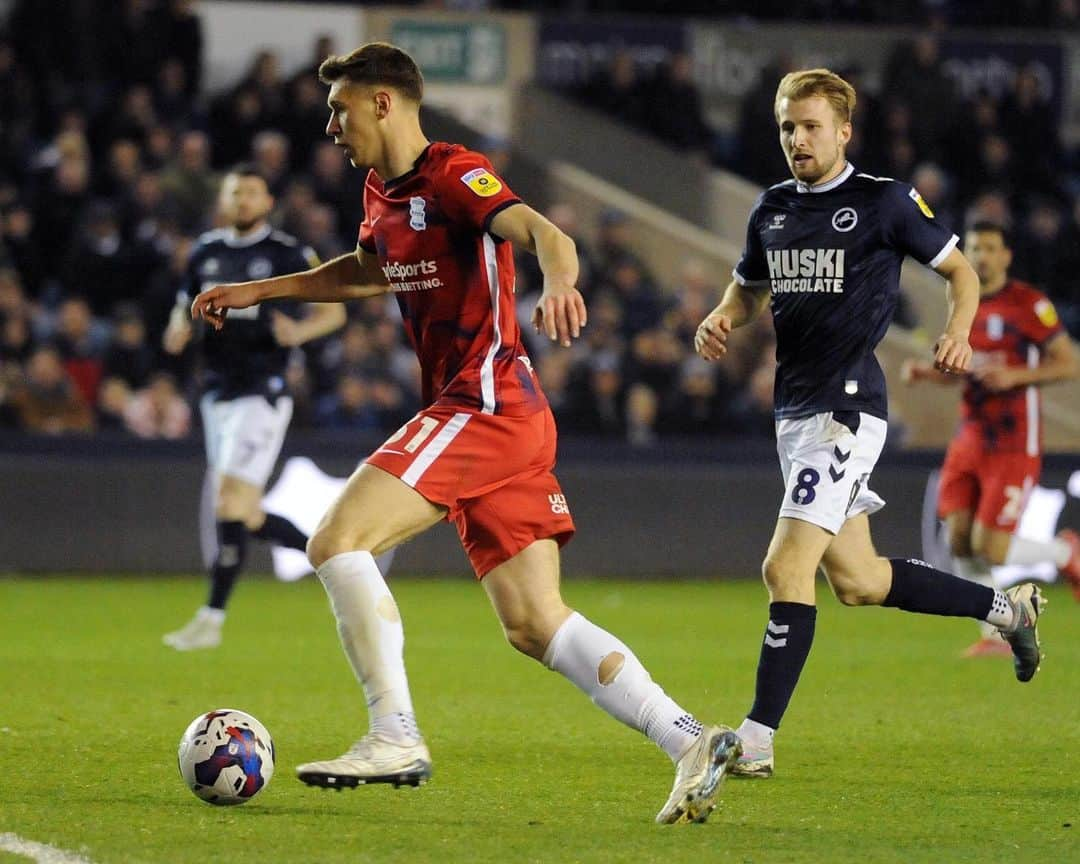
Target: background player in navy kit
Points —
{"points": [[827, 247], [245, 409], [995, 457]]}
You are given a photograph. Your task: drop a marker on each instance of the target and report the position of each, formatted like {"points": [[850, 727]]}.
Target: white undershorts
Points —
{"points": [[826, 468], [244, 435]]}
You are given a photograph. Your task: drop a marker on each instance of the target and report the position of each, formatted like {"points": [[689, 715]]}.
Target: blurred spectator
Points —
{"points": [[350, 406], [1064, 288], [914, 76], [270, 152], [128, 357], [757, 124], [48, 401], [190, 182], [102, 268], [112, 403], [81, 346], [674, 108], [1038, 243], [158, 410]]}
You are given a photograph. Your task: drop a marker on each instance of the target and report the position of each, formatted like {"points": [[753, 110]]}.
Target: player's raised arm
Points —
{"points": [[740, 305], [952, 352], [560, 311], [348, 277]]}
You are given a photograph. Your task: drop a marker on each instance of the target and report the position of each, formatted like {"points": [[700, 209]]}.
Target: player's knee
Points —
{"points": [[990, 549], [526, 638], [851, 593], [324, 544], [774, 574]]}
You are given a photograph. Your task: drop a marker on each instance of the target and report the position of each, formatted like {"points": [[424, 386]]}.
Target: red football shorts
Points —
{"points": [[494, 473], [992, 485]]}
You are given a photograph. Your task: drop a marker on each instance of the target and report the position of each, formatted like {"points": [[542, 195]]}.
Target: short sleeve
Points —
{"points": [[910, 226], [1041, 322], [752, 268], [470, 191]]}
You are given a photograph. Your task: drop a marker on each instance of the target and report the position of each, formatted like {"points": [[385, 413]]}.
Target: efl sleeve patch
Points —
{"points": [[1047, 313], [918, 199], [482, 182]]}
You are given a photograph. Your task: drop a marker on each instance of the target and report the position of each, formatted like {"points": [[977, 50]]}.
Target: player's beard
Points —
{"points": [[243, 226]]}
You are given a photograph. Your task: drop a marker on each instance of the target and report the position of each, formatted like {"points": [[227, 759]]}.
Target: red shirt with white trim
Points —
{"points": [[1011, 328], [453, 279]]}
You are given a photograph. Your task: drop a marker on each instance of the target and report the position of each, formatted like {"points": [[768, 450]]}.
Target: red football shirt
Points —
{"points": [[453, 279], [1011, 327]]}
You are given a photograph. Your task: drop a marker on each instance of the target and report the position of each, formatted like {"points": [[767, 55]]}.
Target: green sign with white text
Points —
{"points": [[454, 53]]}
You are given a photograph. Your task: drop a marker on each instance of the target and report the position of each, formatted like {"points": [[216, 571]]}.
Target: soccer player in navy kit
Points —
{"points": [[825, 249], [245, 407]]}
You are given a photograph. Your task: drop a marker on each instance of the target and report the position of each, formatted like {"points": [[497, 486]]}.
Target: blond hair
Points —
{"points": [[804, 83]]}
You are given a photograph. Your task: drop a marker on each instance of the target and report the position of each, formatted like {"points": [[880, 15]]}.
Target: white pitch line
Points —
{"points": [[43, 853]]}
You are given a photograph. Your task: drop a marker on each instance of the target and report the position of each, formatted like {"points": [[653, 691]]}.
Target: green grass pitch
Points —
{"points": [[894, 749]]}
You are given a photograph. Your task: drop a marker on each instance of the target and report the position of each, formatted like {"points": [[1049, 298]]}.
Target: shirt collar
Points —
{"points": [[237, 241], [827, 187]]}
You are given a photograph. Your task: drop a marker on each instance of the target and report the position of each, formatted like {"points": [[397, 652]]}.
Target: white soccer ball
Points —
{"points": [[226, 756]]}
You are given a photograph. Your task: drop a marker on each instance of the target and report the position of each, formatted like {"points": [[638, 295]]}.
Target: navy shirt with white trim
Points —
{"points": [[244, 358], [831, 257]]}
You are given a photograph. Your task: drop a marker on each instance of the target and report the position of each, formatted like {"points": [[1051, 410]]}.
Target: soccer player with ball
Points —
{"points": [[438, 230], [825, 248]]}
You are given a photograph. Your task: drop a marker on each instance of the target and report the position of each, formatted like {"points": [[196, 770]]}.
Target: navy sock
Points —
{"points": [[280, 531], [232, 547], [788, 638], [918, 587]]}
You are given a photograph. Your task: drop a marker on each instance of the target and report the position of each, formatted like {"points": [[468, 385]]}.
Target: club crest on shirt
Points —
{"points": [[259, 268], [995, 327], [921, 202], [482, 182], [845, 219], [417, 216]]}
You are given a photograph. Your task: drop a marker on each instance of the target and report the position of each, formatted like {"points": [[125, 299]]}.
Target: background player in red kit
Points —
{"points": [[996, 455], [480, 453]]}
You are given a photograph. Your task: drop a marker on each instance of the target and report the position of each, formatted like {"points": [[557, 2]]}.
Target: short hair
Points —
{"points": [[378, 63], [804, 83], [248, 169], [985, 226]]}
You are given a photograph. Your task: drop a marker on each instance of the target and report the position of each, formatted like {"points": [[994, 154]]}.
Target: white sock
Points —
{"points": [[757, 735], [370, 628], [978, 571], [632, 697], [1002, 615], [211, 615], [1025, 551]]}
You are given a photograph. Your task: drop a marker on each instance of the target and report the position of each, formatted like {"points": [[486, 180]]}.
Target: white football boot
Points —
{"points": [[698, 776], [202, 631], [372, 759]]}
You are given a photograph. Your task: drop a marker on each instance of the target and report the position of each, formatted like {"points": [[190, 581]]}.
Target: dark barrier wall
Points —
{"points": [[689, 513]]}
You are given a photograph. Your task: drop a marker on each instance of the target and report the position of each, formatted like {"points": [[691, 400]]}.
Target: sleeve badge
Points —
{"points": [[1047, 313], [918, 199], [482, 182]]}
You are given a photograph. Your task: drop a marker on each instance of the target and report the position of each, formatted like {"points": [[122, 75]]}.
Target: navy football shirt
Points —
{"points": [[244, 358], [831, 256]]}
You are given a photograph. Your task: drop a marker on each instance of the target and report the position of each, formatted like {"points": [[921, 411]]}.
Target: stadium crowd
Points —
{"points": [[110, 161]]}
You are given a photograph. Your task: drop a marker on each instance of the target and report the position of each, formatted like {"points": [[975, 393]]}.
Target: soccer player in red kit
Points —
{"points": [[438, 229], [995, 457]]}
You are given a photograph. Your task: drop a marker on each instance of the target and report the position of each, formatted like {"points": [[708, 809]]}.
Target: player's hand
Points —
{"points": [[560, 314], [997, 378], [286, 330], [711, 336], [212, 304], [952, 354]]}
